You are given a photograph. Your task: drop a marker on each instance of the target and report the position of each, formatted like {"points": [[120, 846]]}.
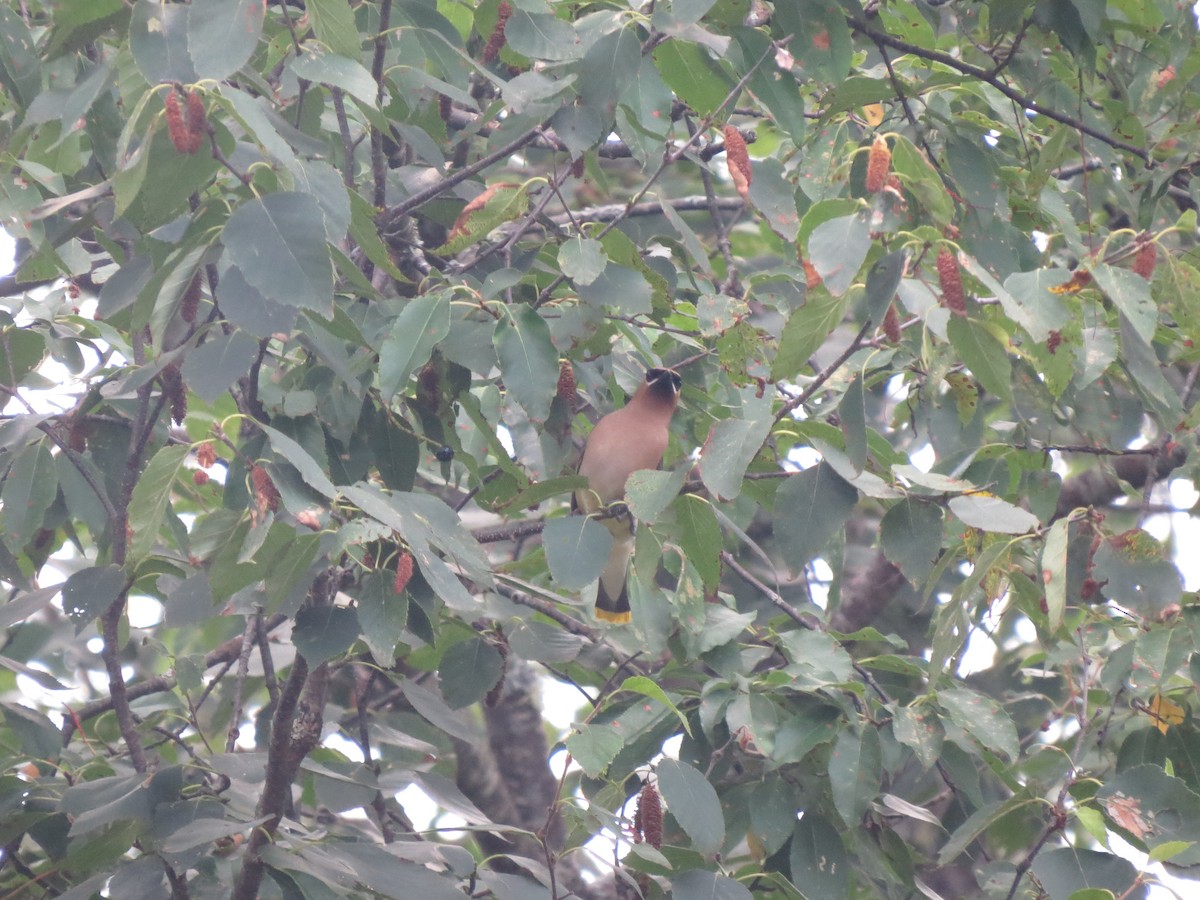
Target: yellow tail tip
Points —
{"points": [[617, 617]]}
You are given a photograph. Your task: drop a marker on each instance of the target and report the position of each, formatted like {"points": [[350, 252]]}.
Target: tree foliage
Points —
{"points": [[313, 303]]}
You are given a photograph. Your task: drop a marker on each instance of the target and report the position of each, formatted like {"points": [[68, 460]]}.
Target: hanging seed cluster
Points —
{"points": [[495, 40], [1145, 261], [950, 279], [404, 571], [879, 165], [738, 160], [648, 818], [187, 122]]}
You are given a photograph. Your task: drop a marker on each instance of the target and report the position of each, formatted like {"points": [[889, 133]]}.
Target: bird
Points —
{"points": [[628, 439]]}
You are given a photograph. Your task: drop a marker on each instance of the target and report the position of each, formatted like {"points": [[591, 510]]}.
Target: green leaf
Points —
{"points": [[701, 537], [154, 187], [20, 69], [431, 707], [689, 12], [148, 505], [582, 259], [620, 287], [333, 21], [992, 514], [698, 884], [468, 671], [528, 360], [820, 37], [882, 282], [852, 412], [640, 684], [693, 803], [210, 369], [290, 451], [89, 592], [805, 331], [21, 351], [422, 325], [222, 34], [577, 549], [278, 245], [977, 823], [1054, 571], [158, 37], [594, 747], [1136, 574], [693, 75], [650, 491], [817, 858], [982, 354], [339, 71], [608, 68], [29, 489], [774, 196], [731, 446], [807, 728], [1155, 809], [920, 728], [775, 87], [542, 36], [810, 508], [382, 616], [37, 735], [982, 718], [324, 632], [910, 536], [1063, 871], [854, 773], [837, 248]]}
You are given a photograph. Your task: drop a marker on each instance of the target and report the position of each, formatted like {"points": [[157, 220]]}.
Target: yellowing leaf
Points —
{"points": [[1165, 713], [873, 113]]}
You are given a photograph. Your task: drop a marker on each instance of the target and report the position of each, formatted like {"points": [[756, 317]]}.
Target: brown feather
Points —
{"points": [[624, 441]]}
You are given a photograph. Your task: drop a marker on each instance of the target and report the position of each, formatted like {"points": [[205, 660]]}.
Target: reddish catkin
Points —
{"points": [[266, 495], [77, 437], [950, 278], [200, 478], [404, 571], [566, 384], [176, 393], [891, 324], [197, 119], [1053, 340], [1145, 261], [496, 40], [738, 160], [185, 130], [206, 456], [879, 165], [190, 304], [648, 820], [445, 107]]}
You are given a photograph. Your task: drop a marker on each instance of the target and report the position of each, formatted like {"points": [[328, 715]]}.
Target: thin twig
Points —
{"points": [[824, 375], [378, 159], [239, 684], [1024, 100]]}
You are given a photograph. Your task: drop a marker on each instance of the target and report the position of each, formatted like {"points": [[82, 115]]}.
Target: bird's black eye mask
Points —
{"points": [[658, 376]]}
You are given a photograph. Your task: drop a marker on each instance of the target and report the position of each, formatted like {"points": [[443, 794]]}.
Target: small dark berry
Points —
{"points": [[444, 454]]}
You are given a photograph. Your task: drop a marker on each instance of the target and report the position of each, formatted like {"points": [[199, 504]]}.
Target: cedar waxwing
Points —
{"points": [[631, 438]]}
